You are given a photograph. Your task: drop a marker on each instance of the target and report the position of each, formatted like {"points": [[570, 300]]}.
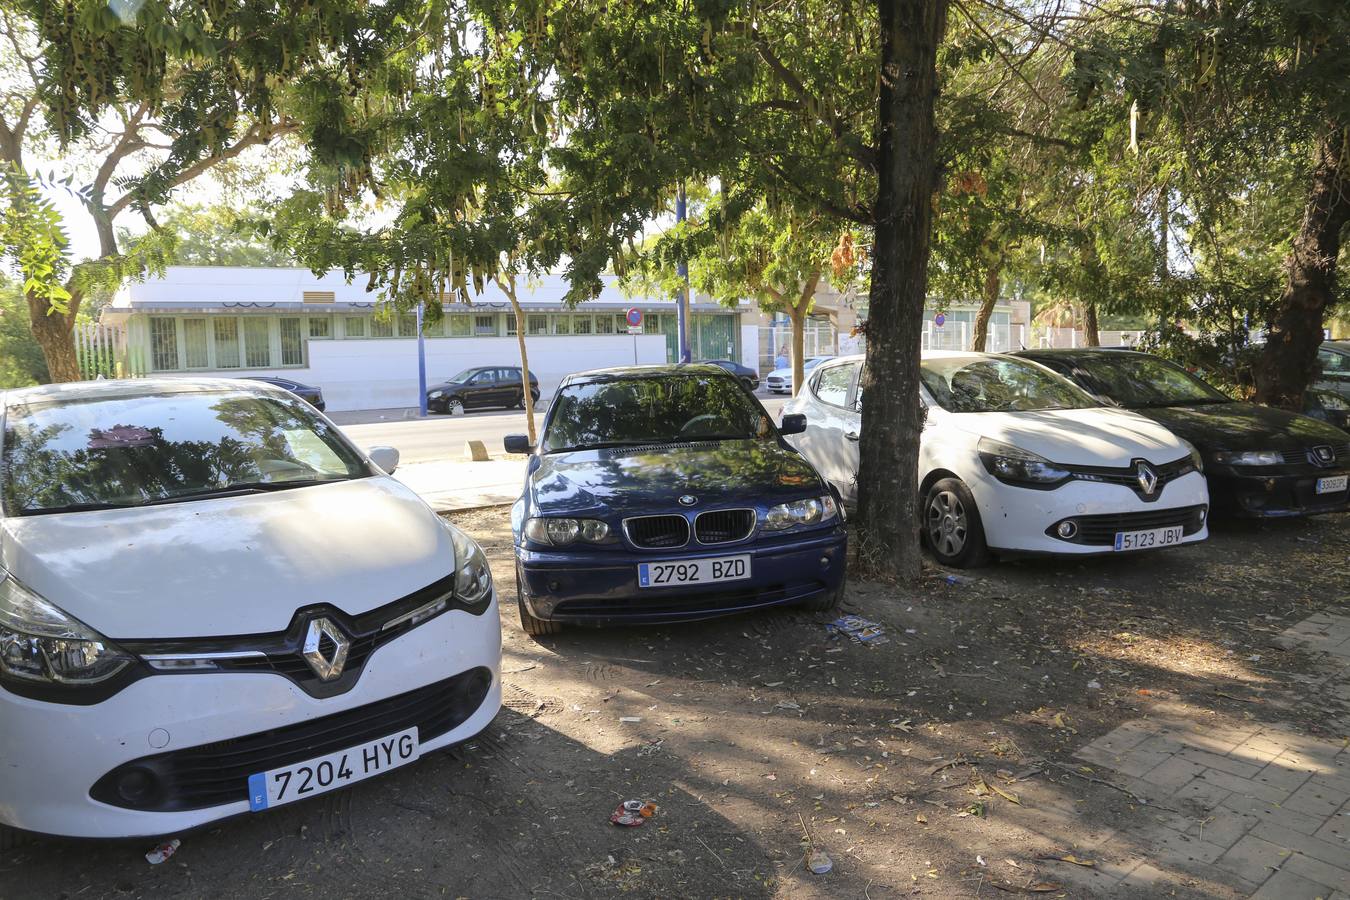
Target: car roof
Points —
{"points": [[1073, 354], [624, 373], [110, 388]]}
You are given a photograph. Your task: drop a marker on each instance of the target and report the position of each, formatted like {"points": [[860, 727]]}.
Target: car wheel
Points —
{"points": [[12, 837], [532, 626], [951, 525], [454, 406]]}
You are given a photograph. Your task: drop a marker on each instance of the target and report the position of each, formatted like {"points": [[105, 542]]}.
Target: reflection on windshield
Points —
{"points": [[131, 451], [653, 411], [966, 384], [462, 376], [1136, 381]]}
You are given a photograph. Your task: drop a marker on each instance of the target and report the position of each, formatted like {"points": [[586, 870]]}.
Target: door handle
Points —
{"points": [[852, 435]]}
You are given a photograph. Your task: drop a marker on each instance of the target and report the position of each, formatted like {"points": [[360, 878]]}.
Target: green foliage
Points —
{"points": [[32, 236], [21, 361], [198, 235]]}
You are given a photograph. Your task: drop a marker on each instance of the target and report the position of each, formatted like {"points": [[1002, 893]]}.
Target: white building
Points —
{"points": [[334, 335]]}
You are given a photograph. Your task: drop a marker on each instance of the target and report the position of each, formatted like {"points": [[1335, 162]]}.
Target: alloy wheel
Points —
{"points": [[455, 407], [948, 524]]}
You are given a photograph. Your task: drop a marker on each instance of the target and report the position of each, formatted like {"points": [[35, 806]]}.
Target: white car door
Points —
{"points": [[836, 424]]}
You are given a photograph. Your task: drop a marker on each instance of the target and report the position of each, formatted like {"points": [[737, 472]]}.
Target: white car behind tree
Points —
{"points": [[211, 603], [1016, 459]]}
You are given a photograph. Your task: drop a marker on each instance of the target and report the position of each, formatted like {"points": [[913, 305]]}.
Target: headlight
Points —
{"points": [[559, 532], [1249, 458], [1196, 459], [432, 395], [40, 643], [473, 578], [1017, 466], [811, 511]]}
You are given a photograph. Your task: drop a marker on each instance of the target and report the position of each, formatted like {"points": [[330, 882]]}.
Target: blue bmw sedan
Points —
{"points": [[665, 494]]}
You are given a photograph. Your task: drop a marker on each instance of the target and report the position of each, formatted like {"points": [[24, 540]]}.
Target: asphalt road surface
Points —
{"points": [[439, 438]]}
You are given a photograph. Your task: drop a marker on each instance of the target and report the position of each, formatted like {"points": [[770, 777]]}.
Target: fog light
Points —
{"points": [[136, 785], [1204, 514], [1067, 530]]}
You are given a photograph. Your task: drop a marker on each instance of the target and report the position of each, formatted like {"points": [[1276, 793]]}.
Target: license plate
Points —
{"points": [[693, 571], [1333, 484], [327, 773], [1149, 538]]}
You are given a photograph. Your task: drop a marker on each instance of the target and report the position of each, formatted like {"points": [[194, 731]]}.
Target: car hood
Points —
{"points": [[1245, 426], [634, 480], [232, 565], [780, 373], [1098, 436], [444, 385]]}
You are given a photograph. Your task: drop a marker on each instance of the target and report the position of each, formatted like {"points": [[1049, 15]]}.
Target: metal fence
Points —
{"points": [[959, 336], [101, 350], [818, 339]]}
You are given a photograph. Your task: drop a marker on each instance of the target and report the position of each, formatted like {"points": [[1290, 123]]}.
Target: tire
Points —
{"points": [[535, 627], [828, 601], [519, 402], [951, 525], [12, 837], [454, 407]]}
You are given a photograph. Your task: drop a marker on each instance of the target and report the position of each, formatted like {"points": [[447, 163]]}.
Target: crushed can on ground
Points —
{"points": [[633, 813]]}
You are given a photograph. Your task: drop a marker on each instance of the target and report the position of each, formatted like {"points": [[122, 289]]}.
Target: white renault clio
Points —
{"points": [[1016, 458], [211, 603]]}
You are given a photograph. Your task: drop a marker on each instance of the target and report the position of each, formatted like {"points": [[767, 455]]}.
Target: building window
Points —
{"points": [[292, 347], [485, 326], [562, 324], [433, 329], [164, 344], [536, 323], [381, 327], [511, 325], [194, 344], [227, 343], [320, 327], [581, 324], [460, 325], [257, 345], [604, 324], [356, 326], [407, 324]]}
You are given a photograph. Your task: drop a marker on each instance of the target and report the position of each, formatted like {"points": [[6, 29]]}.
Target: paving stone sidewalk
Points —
{"points": [[1258, 807]]}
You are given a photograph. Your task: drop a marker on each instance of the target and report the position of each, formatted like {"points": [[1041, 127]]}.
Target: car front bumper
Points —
{"points": [[1268, 496], [1018, 519], [54, 754], [600, 586]]}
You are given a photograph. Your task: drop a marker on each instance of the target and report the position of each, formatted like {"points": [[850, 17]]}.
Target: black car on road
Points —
{"points": [[311, 395], [1259, 461], [748, 376], [479, 387]]}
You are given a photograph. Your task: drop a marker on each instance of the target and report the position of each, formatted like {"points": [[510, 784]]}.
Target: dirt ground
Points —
{"points": [[939, 763]]}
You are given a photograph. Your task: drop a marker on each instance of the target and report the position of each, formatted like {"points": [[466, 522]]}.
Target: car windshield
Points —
{"points": [[463, 376], [106, 452], [1140, 381], [974, 384], [669, 409]]}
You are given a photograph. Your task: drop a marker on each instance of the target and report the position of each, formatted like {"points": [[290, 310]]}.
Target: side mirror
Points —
{"points": [[793, 423], [517, 443], [384, 457]]}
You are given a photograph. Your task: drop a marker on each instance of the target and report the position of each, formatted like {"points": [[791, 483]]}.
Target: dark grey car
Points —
{"points": [[481, 387]]}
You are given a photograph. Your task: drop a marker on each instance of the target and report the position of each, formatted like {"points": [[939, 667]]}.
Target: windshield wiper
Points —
{"points": [[73, 507], [1199, 401], [605, 445], [713, 437], [241, 487]]}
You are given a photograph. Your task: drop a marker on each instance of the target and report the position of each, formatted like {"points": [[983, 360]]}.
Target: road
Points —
{"points": [[442, 438]]}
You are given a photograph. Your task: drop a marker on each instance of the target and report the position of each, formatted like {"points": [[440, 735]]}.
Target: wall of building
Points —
{"points": [[381, 374]]}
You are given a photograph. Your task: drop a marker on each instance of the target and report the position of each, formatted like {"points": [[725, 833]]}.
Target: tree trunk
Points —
{"points": [[797, 316], [52, 331], [988, 299], [911, 30], [527, 397], [1289, 361], [1091, 335]]}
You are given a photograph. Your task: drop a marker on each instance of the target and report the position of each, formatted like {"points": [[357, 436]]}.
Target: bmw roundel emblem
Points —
{"points": [[688, 499]]}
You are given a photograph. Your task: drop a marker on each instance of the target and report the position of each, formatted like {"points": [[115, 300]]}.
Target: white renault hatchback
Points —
{"points": [[211, 603], [1015, 458]]}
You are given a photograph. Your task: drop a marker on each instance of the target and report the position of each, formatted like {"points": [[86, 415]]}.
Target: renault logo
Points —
{"points": [[1148, 479], [688, 499], [325, 657]]}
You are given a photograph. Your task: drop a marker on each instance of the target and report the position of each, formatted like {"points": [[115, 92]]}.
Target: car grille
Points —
{"points": [[1307, 456], [215, 774], [1100, 531], [282, 653], [724, 526], [657, 532], [1129, 475]]}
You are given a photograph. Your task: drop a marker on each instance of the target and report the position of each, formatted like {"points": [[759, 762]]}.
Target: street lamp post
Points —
{"points": [[421, 363]]}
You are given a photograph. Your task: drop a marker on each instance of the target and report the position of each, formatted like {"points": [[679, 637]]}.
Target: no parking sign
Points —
{"points": [[634, 318]]}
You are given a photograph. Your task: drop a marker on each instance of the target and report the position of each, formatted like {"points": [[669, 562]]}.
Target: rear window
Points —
{"points": [[128, 451]]}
